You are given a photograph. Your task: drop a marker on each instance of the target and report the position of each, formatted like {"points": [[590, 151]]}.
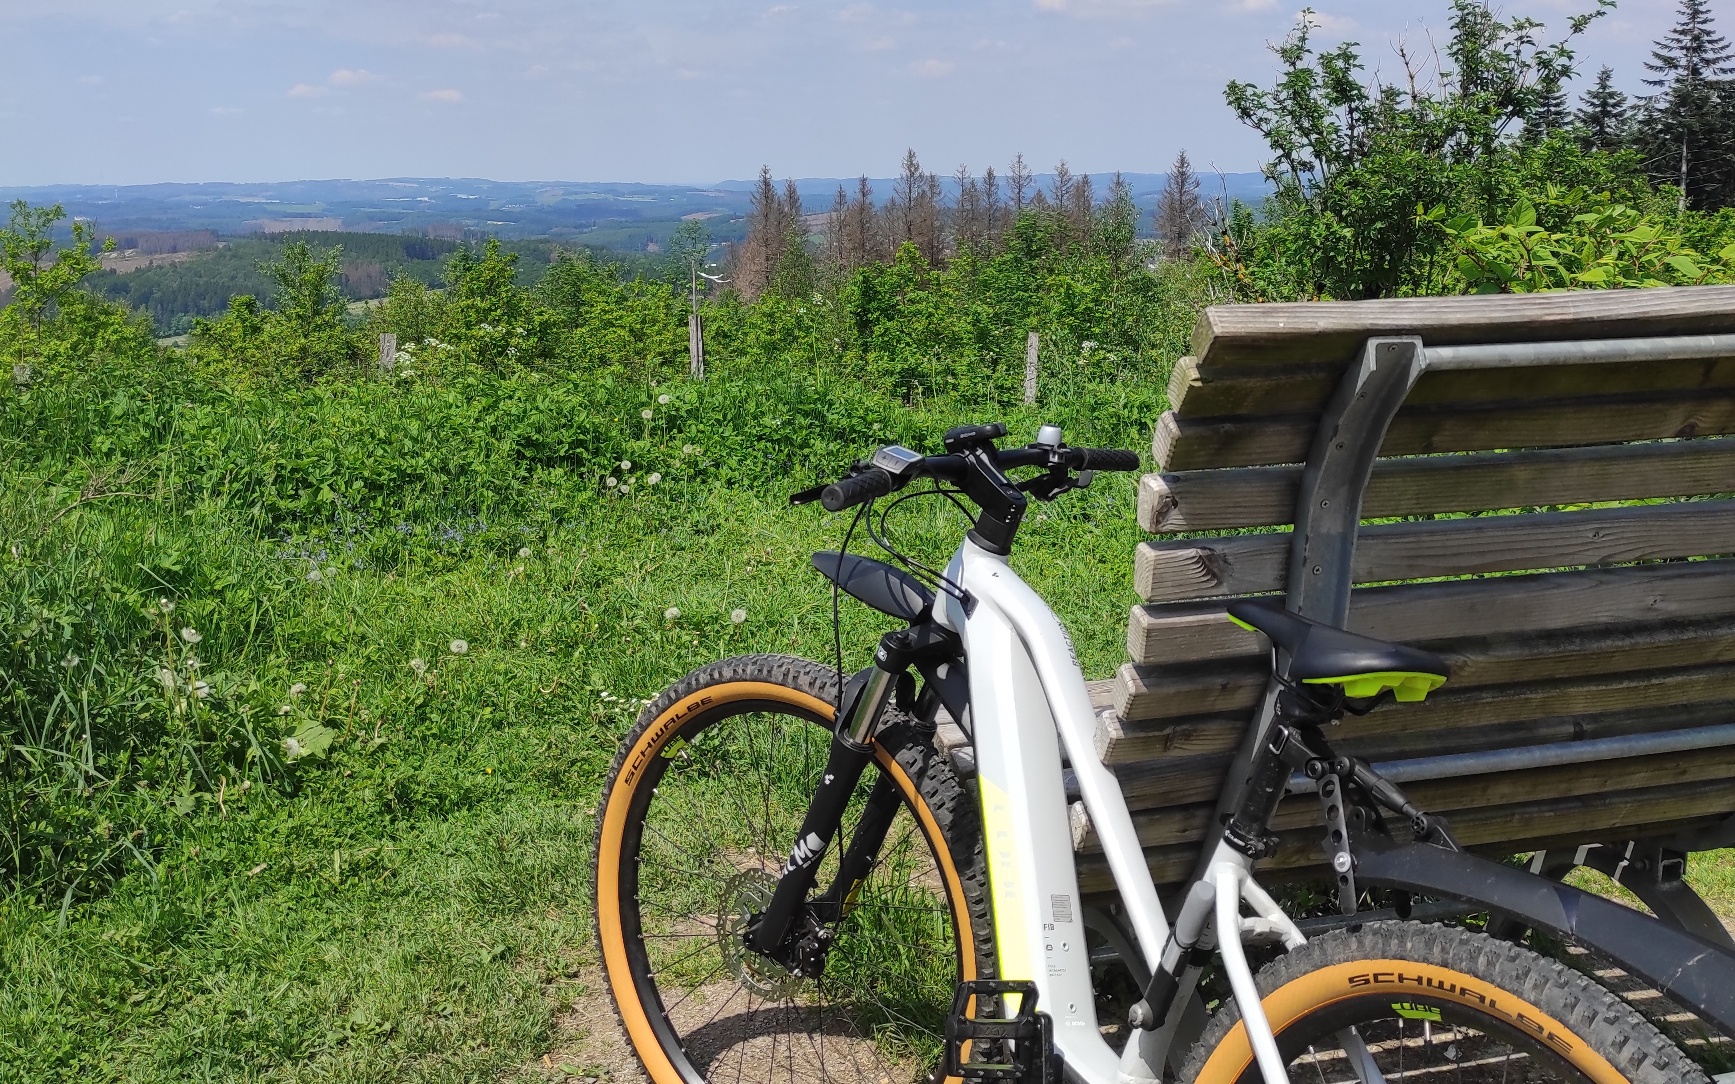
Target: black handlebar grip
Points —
{"points": [[1104, 459], [857, 489]]}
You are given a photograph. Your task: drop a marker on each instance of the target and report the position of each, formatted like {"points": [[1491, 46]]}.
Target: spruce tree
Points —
{"points": [[1549, 116], [1688, 123], [1602, 113], [1180, 214]]}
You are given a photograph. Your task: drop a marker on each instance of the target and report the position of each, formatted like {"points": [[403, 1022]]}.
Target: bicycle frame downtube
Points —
{"points": [[1025, 685]]}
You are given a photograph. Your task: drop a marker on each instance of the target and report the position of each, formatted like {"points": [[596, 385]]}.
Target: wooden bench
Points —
{"points": [[1548, 508]]}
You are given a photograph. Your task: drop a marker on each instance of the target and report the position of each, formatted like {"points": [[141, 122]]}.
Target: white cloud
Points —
{"points": [[932, 69], [353, 77], [1254, 5], [306, 90], [446, 95], [1336, 24]]}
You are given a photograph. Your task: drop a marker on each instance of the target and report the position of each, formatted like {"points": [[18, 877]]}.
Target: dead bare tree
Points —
{"points": [[1180, 214]]}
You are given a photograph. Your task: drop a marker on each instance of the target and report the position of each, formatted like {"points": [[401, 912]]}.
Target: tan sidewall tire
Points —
{"points": [[693, 697], [1585, 1025]]}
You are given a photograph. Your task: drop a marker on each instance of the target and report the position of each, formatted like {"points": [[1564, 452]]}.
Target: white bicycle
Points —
{"points": [[795, 881]]}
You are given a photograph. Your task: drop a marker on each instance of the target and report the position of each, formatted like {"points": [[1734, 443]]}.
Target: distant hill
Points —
{"points": [[613, 215]]}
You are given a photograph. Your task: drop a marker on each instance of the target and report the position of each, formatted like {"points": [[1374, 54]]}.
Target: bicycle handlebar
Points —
{"points": [[857, 489]]}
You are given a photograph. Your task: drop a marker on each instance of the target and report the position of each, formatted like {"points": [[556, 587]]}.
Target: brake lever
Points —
{"points": [[806, 496]]}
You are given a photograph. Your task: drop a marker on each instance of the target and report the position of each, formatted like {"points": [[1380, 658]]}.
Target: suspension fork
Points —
{"points": [[865, 702]]}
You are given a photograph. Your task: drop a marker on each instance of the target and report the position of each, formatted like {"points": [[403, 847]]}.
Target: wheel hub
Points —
{"points": [[744, 896]]}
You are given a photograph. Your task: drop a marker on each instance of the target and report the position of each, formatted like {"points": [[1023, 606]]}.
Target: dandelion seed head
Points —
{"points": [[283, 709], [625, 488], [737, 615], [523, 551], [70, 661], [612, 481], [163, 604], [296, 690], [671, 613], [313, 576], [626, 464], [656, 476], [460, 647], [419, 667], [191, 635], [687, 449], [645, 414], [663, 400], [291, 748], [166, 677], [201, 690]]}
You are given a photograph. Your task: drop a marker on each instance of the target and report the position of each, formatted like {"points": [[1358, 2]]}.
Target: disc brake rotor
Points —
{"points": [[743, 896]]}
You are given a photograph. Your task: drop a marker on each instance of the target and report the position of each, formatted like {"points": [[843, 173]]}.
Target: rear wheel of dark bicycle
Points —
{"points": [[1439, 1003], [699, 814]]}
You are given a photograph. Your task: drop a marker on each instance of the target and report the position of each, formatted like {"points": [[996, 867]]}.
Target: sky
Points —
{"points": [[668, 91]]}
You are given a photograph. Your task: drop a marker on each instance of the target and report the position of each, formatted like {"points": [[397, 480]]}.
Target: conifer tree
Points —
{"points": [[1550, 114], [1602, 113], [1688, 123], [1180, 214]]}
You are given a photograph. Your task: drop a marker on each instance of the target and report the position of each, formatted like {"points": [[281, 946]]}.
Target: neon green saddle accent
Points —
{"points": [[1407, 687]]}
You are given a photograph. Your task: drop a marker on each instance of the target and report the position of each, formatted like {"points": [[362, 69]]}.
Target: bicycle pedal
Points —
{"points": [[1016, 1050]]}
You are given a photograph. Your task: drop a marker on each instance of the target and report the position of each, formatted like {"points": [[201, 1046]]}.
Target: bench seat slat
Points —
{"points": [[1127, 741], [1252, 564], [1187, 824], [1197, 689], [1210, 500], [1496, 605], [1608, 815], [1184, 443], [1285, 389], [1333, 331]]}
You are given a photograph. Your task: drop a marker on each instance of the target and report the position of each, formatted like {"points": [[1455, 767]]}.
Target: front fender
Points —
{"points": [[1694, 972]]}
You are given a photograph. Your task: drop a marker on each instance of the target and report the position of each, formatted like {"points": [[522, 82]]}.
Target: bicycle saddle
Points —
{"points": [[889, 590], [1323, 655]]}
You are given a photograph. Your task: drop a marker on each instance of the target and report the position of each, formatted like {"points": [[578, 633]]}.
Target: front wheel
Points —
{"points": [[1439, 1003], [699, 814]]}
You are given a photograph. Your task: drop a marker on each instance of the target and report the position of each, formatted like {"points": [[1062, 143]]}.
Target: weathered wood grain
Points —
{"points": [[1387, 552], [1287, 389], [1498, 605], [1183, 443], [1265, 496], [1333, 331], [1196, 689]]}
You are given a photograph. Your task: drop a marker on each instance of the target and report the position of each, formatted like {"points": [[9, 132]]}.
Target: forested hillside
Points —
{"points": [[310, 670]]}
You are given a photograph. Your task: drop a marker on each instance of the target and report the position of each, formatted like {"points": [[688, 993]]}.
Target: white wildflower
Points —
{"points": [[654, 478], [460, 647], [523, 551], [687, 449], [737, 615], [166, 605], [70, 661], [663, 400], [166, 677], [191, 635], [420, 667], [284, 709], [671, 613], [296, 690], [645, 414]]}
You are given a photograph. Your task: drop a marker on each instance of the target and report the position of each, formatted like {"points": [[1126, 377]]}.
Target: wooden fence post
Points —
{"points": [[696, 346], [388, 352], [1031, 347]]}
